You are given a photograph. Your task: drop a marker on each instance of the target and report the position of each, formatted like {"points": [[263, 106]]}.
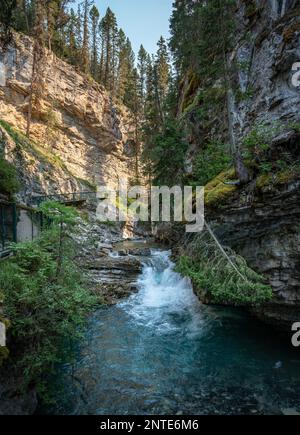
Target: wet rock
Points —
{"points": [[118, 264], [145, 252], [12, 402]]}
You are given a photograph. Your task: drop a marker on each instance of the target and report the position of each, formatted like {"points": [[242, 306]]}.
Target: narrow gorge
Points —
{"points": [[103, 317]]}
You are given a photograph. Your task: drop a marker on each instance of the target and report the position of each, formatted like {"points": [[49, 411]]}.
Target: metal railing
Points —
{"points": [[8, 225], [9, 216], [69, 198]]}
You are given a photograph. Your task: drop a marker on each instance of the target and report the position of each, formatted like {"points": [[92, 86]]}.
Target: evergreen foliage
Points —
{"points": [[210, 162], [168, 154], [222, 276], [46, 309]]}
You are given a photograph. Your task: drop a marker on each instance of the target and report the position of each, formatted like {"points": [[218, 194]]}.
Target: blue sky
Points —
{"points": [[143, 21]]}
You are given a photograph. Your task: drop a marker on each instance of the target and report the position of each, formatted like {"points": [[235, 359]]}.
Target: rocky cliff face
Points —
{"points": [[264, 228], [79, 137], [266, 49], [261, 221]]}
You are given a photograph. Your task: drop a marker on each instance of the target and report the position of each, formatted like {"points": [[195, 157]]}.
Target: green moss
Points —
{"points": [[288, 175], [263, 181], [216, 191], [193, 105], [285, 176]]}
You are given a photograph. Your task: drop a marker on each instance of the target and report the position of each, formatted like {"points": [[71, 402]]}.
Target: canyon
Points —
{"points": [[81, 138]]}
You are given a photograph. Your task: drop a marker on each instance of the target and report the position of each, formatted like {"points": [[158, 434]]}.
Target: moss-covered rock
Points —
{"points": [[217, 191], [286, 176]]}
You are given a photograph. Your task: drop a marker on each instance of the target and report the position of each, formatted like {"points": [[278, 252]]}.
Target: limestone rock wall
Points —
{"points": [[267, 46], [79, 137]]}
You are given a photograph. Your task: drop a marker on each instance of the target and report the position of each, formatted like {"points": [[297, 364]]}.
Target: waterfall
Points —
{"points": [[163, 295]]}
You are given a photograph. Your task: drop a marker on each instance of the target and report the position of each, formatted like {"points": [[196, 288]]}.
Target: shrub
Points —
{"points": [[8, 178], [44, 298], [258, 150], [223, 276], [168, 154], [210, 162]]}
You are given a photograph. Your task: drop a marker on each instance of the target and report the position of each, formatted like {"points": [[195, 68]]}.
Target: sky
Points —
{"points": [[143, 21]]}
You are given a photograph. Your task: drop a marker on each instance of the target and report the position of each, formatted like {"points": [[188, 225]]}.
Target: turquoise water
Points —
{"points": [[163, 352]]}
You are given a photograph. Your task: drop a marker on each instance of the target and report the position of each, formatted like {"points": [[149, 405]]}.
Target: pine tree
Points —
{"points": [[201, 39], [130, 80], [86, 36], [162, 70], [56, 20], [102, 55], [22, 16], [136, 107], [6, 20], [79, 27], [72, 50], [94, 16], [109, 40], [122, 72], [142, 69]]}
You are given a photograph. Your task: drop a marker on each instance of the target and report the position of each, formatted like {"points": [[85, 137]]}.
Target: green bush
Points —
{"points": [[44, 298], [210, 162], [8, 178], [259, 153], [222, 286], [223, 276], [168, 154]]}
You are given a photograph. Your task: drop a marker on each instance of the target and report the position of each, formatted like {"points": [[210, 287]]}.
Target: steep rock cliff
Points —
{"points": [[79, 136], [260, 220]]}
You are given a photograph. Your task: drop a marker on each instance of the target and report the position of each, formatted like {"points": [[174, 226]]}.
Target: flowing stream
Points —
{"points": [[163, 352]]}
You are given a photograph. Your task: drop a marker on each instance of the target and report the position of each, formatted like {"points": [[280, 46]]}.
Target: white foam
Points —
{"points": [[164, 296]]}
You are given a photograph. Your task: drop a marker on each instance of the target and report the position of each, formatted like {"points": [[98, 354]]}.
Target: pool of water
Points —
{"points": [[163, 352]]}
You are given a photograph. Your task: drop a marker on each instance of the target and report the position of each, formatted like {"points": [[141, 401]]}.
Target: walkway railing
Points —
{"points": [[12, 228], [8, 225], [68, 198]]}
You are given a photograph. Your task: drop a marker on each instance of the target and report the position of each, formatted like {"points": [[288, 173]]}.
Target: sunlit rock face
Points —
{"points": [[81, 133]]}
